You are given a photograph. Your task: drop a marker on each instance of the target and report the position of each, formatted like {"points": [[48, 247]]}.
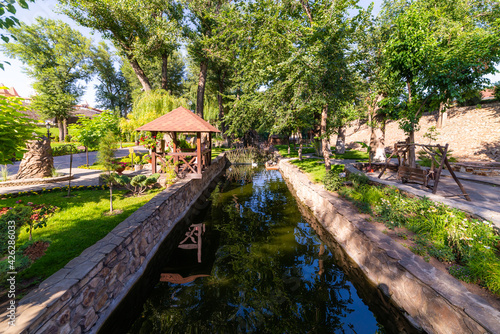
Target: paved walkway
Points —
{"points": [[82, 177]]}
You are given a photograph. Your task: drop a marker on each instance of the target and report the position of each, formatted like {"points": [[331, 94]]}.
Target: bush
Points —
{"points": [[139, 183], [67, 139], [64, 150], [332, 180], [20, 215]]}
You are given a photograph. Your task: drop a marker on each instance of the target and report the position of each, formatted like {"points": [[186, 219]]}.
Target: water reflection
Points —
{"points": [[268, 272]]}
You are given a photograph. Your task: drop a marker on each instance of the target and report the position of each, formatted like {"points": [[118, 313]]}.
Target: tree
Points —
{"points": [[15, 128], [153, 69], [57, 57], [105, 157], [438, 50], [9, 20], [90, 131], [149, 106], [295, 65], [138, 29], [113, 91]]}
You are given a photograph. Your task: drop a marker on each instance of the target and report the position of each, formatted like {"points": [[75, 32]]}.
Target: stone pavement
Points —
{"points": [[82, 177]]}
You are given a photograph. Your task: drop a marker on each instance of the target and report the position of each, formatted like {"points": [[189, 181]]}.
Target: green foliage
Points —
{"points": [[57, 57], [20, 215], [64, 150], [313, 167], [113, 91], [333, 181], [139, 183], [90, 131], [352, 154], [149, 106], [106, 155], [8, 20], [15, 128]]}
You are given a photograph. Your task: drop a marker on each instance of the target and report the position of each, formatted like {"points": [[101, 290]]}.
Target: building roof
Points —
{"points": [[8, 92], [488, 94], [179, 120], [86, 111]]}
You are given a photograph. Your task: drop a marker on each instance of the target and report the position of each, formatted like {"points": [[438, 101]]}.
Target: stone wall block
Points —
{"points": [[89, 319], [88, 297], [63, 318]]}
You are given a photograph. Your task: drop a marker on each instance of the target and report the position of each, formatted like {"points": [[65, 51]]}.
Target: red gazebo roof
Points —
{"points": [[179, 120]]}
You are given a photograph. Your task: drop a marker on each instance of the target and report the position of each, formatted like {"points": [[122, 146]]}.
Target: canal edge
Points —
{"points": [[434, 300]]}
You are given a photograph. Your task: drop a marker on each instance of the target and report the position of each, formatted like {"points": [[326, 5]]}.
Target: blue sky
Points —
{"points": [[14, 76]]}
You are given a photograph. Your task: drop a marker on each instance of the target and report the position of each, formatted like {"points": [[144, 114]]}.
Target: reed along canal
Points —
{"points": [[264, 269]]}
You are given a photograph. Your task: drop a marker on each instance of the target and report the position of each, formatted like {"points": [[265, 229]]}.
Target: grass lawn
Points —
{"points": [[351, 154], [294, 153], [315, 168], [78, 224], [218, 150]]}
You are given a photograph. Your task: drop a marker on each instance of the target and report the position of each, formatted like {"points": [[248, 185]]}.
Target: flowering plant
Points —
{"points": [[148, 142]]}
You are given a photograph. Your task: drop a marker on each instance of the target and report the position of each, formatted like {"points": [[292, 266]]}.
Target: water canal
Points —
{"points": [[264, 269]]}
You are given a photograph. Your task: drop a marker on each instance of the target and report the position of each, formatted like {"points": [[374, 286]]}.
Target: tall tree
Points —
{"points": [[139, 29], [113, 91], [57, 57], [437, 49]]}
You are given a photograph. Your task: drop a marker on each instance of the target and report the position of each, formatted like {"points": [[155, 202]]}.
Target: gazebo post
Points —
{"points": [[198, 151], [174, 149], [209, 156], [153, 154]]}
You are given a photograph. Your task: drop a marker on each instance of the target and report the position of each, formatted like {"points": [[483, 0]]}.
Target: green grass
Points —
{"points": [[79, 224], [294, 153], [218, 150], [314, 168], [351, 154]]}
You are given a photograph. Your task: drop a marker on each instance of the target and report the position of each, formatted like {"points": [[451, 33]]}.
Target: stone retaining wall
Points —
{"points": [[79, 297], [431, 299]]}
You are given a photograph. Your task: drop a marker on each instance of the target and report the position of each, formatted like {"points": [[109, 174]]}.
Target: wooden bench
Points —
{"points": [[416, 175]]}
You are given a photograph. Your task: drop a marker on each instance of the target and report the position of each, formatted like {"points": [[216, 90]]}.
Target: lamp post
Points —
{"points": [[47, 125]]}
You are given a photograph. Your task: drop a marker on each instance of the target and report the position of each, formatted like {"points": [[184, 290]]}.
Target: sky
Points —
{"points": [[14, 75]]}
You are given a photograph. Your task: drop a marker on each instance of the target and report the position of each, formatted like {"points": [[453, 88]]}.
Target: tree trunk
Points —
{"points": [[221, 105], [111, 198], [300, 145], [411, 135], [324, 138], [377, 122], [87, 154], [61, 130], [164, 71], [200, 95], [443, 115], [411, 152], [340, 145], [143, 79], [65, 127]]}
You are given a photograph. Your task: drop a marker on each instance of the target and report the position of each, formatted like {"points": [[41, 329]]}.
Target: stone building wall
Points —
{"points": [[432, 300], [79, 297]]}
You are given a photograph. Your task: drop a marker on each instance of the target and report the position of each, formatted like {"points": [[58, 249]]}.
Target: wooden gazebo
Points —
{"points": [[181, 120]]}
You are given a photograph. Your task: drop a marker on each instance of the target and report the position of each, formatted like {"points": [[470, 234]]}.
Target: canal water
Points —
{"points": [[263, 268]]}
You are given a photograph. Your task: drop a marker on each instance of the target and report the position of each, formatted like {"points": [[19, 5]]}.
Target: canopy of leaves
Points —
{"points": [[90, 131], [7, 18], [57, 57], [15, 128], [149, 106]]}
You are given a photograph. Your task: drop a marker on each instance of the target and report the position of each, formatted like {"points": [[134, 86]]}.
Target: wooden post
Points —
{"points": [[209, 154], [441, 164], [198, 151], [454, 176], [153, 155], [174, 149]]}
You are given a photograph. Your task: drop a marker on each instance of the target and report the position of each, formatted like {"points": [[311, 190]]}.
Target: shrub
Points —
{"points": [[139, 183], [333, 181], [63, 150], [20, 215]]}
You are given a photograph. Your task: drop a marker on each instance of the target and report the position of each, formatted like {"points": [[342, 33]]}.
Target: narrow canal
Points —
{"points": [[263, 269]]}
